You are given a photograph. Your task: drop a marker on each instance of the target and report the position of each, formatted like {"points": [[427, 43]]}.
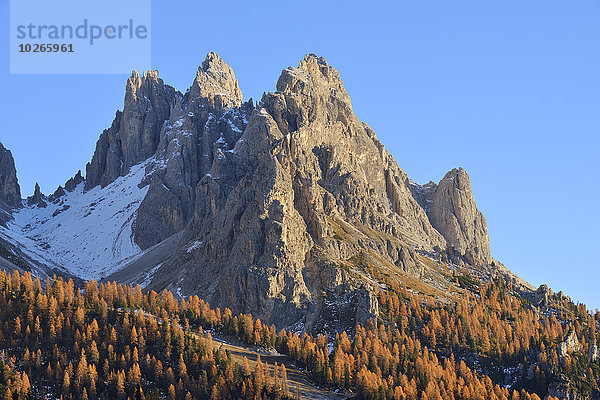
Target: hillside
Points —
{"points": [[113, 341]]}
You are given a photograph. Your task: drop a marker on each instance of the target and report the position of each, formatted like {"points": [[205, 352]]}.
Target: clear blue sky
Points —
{"points": [[508, 89]]}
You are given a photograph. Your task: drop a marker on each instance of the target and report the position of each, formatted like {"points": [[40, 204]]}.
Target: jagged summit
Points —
{"points": [[269, 200], [216, 82], [454, 214], [134, 134], [38, 198], [315, 88], [306, 188], [74, 181], [283, 210]]}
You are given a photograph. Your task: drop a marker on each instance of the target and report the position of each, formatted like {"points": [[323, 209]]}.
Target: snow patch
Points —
{"points": [[194, 246], [148, 276], [93, 236], [233, 127]]}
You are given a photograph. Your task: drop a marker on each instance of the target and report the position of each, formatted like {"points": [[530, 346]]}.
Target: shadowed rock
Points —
{"points": [[10, 191]]}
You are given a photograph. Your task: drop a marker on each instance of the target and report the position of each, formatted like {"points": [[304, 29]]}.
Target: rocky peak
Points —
{"points": [[311, 93], [58, 193], [423, 193], [37, 198], [313, 68], [306, 188], [272, 201], [541, 297], [134, 134], [72, 183], [69, 186], [203, 125], [139, 88], [133, 84], [454, 214], [146, 106], [216, 83], [10, 191]]}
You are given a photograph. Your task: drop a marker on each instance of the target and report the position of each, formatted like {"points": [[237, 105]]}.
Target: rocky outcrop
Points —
{"points": [[282, 208], [58, 193], [70, 185], [134, 134], [306, 189], [182, 132], [74, 181], [541, 297], [37, 198], [452, 211], [203, 125], [594, 352], [10, 191], [566, 391], [215, 84], [569, 345]]}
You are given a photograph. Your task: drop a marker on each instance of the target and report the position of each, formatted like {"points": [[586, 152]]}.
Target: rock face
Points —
{"points": [[306, 193], [594, 352], [134, 134], [58, 193], [72, 183], [215, 83], [541, 297], [10, 191], [183, 133], [37, 198], [282, 207], [203, 125], [570, 345], [453, 213], [562, 390]]}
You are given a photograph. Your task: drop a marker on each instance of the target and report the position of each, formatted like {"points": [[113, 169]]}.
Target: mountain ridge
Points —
{"points": [[290, 215], [280, 206]]}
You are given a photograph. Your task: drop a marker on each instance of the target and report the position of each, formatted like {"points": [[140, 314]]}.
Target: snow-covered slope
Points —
{"points": [[89, 234]]}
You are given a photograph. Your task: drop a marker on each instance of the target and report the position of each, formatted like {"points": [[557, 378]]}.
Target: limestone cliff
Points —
{"points": [[203, 125], [134, 134], [282, 208], [284, 220], [10, 191], [452, 211]]}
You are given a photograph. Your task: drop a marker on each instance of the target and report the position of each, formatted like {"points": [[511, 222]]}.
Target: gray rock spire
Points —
{"points": [[454, 214], [10, 191], [134, 134]]}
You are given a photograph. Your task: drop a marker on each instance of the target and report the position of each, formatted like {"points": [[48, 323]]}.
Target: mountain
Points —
{"points": [[291, 211], [286, 209], [291, 207]]}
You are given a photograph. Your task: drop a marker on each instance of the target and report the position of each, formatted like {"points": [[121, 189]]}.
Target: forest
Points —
{"points": [[112, 341]]}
